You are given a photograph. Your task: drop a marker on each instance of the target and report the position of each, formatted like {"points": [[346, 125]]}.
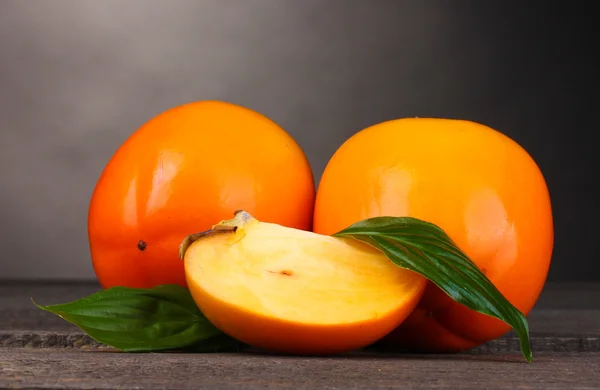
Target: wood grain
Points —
{"points": [[39, 350]]}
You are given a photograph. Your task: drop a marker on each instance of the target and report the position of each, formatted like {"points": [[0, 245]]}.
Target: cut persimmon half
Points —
{"points": [[292, 291]]}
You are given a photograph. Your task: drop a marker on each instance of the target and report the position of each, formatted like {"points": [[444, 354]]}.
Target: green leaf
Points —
{"points": [[142, 320], [426, 249]]}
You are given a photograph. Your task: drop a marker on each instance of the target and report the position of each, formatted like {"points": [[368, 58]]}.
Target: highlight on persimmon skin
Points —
{"points": [[293, 291], [182, 170], [481, 187]]}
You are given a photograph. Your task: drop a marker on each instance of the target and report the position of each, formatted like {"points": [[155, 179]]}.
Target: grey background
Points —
{"points": [[78, 76]]}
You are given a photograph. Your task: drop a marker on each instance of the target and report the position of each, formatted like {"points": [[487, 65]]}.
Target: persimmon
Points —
{"points": [[293, 291], [477, 184], [181, 171]]}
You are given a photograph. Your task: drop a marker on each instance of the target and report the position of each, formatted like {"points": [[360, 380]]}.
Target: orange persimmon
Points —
{"points": [[482, 188], [181, 171], [293, 291]]}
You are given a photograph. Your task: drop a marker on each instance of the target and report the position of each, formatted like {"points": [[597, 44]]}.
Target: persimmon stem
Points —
{"points": [[240, 219]]}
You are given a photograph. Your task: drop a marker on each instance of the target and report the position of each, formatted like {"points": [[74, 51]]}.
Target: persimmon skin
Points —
{"points": [[482, 188], [178, 173]]}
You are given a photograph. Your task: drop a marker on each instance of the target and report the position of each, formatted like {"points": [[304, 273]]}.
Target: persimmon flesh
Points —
{"points": [[292, 291]]}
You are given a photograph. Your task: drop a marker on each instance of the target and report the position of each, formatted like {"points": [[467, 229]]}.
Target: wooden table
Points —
{"points": [[39, 350]]}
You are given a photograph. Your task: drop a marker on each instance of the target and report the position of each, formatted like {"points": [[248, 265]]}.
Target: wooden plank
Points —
{"points": [[39, 350], [566, 319], [39, 368], [508, 343]]}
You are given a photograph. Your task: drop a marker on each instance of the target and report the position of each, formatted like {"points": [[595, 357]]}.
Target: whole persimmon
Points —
{"points": [[183, 170], [481, 187]]}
